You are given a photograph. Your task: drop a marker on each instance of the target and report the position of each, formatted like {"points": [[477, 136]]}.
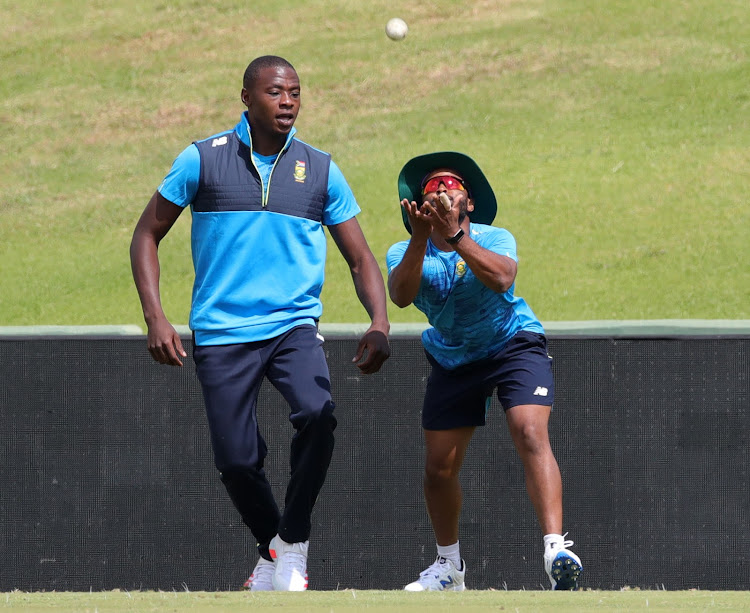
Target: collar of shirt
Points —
{"points": [[243, 132]]}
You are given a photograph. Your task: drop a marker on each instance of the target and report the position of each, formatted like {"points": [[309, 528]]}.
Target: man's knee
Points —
{"points": [[529, 428], [438, 471], [318, 417], [241, 477], [531, 438]]}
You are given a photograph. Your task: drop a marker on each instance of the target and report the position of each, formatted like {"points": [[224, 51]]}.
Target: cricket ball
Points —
{"points": [[396, 28]]}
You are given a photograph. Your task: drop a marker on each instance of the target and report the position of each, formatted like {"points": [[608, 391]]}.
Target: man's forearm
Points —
{"points": [[368, 283], [496, 271]]}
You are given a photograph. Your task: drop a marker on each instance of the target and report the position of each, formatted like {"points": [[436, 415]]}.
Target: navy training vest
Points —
{"points": [[230, 182]]}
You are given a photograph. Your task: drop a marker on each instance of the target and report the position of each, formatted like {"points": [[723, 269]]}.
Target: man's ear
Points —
{"points": [[244, 96], [470, 204]]}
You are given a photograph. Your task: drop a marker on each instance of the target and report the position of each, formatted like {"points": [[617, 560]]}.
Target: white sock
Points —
{"points": [[552, 542], [451, 552]]}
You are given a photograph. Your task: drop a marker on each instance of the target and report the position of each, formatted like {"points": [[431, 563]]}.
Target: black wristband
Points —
{"points": [[456, 237]]}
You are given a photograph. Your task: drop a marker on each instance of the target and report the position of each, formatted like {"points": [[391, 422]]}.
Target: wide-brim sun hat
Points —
{"points": [[414, 171]]}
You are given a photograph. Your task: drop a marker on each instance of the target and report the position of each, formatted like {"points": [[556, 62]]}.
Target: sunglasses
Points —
{"points": [[433, 184]]}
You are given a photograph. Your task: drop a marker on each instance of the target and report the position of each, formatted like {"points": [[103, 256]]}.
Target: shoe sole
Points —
{"points": [[455, 588], [565, 571]]}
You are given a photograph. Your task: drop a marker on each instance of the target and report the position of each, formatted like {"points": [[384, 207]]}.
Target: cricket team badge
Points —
{"points": [[299, 172]]}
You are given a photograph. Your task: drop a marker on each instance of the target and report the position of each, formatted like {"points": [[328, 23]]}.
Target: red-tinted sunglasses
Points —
{"points": [[433, 184]]}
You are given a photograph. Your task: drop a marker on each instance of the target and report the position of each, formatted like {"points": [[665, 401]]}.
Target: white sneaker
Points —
{"points": [[261, 580], [563, 567], [442, 575], [290, 574]]}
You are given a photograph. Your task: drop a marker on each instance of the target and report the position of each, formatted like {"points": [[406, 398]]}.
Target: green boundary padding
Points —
{"points": [[607, 328]]}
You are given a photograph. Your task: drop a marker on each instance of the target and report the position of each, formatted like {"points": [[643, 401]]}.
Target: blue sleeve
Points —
{"points": [[341, 205], [395, 255], [498, 240], [181, 183]]}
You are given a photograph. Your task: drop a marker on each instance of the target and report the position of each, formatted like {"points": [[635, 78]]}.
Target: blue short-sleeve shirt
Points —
{"points": [[469, 321]]}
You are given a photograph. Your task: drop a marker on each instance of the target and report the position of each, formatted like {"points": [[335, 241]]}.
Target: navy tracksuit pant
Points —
{"points": [[231, 376]]}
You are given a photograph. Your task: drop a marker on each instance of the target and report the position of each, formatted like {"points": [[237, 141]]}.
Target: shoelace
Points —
{"points": [[434, 569], [566, 544], [296, 560]]}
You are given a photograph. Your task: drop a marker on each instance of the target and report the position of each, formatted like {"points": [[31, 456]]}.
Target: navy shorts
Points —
{"points": [[521, 372]]}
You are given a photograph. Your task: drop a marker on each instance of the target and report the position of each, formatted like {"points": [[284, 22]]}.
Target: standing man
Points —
{"points": [[460, 272], [259, 199]]}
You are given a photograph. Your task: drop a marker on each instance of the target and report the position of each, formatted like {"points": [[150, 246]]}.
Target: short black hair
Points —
{"points": [[259, 63]]}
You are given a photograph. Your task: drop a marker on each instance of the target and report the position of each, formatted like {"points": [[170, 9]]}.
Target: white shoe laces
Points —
{"points": [[562, 544], [434, 569], [295, 561]]}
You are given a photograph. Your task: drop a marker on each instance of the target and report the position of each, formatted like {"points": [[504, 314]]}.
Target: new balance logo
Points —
{"points": [[446, 583], [222, 140], [541, 391]]}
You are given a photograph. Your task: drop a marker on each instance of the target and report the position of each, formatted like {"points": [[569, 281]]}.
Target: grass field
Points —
{"points": [[379, 601], [616, 135]]}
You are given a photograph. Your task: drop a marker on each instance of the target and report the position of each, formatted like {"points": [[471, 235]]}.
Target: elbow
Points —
{"points": [[134, 246], [401, 290], [505, 278], [503, 283], [505, 275], [401, 304], [399, 298]]}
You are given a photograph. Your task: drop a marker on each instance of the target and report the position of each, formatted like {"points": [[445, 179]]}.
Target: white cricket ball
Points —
{"points": [[396, 28], [447, 204]]}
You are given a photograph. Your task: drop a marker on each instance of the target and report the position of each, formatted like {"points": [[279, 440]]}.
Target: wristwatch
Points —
{"points": [[456, 237]]}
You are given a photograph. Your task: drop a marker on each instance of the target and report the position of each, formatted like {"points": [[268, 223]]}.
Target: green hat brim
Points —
{"points": [[411, 175]]}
